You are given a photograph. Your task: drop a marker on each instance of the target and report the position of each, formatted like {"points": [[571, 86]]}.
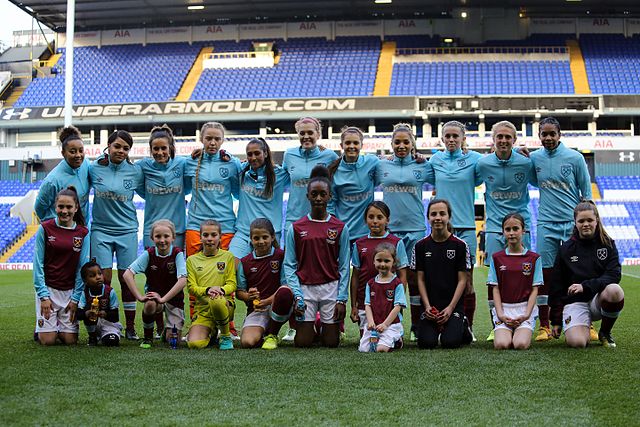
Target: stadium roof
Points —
{"points": [[101, 14]]}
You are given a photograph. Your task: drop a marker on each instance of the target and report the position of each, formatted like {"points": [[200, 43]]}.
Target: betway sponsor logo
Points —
{"points": [[145, 109]]}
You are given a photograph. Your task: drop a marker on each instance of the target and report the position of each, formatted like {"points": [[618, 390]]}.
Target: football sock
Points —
{"points": [[147, 323], [281, 310], [160, 322], [470, 307], [220, 311], [610, 312]]}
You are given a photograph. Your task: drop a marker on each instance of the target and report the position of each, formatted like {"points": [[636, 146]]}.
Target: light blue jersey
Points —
{"points": [[402, 180], [253, 203], [165, 186], [59, 178], [352, 190], [114, 185], [564, 181], [217, 185], [506, 188], [299, 163], [455, 181]]}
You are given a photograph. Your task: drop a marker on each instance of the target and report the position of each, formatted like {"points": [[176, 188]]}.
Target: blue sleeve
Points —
{"points": [[113, 300], [367, 295], [478, 174], [140, 176], [492, 277], [186, 182], [533, 178], [343, 266], [584, 180], [44, 201], [141, 263], [283, 278], [401, 255], [82, 303], [537, 273], [400, 298], [38, 266], [181, 265], [84, 258], [291, 264], [241, 279], [234, 180], [429, 173], [355, 256]]}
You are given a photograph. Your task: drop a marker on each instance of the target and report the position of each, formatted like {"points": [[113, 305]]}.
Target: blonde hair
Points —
{"points": [[163, 223], [315, 122], [455, 124], [208, 125], [506, 124]]}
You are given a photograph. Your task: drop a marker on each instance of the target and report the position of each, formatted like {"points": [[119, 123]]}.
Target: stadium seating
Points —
{"points": [[311, 67], [10, 228], [117, 74], [17, 188], [626, 188], [612, 62]]}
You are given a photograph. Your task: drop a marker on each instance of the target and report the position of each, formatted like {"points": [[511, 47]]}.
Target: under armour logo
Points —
{"points": [[20, 114], [624, 157]]}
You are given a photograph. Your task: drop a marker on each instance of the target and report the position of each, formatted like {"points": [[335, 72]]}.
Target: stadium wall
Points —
{"points": [[14, 170]]}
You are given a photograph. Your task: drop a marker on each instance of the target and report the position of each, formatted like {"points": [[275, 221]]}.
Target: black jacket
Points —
{"points": [[587, 262]]}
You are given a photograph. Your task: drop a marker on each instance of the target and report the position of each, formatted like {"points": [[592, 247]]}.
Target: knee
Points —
{"points": [[613, 293], [69, 339], [249, 342], [450, 342], [331, 341], [111, 340], [521, 344], [501, 344], [577, 341], [198, 344], [149, 308], [427, 343], [48, 339]]}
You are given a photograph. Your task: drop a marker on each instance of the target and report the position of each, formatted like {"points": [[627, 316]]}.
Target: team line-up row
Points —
{"points": [[327, 219]]}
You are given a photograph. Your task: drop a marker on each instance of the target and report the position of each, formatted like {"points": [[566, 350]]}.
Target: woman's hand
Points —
{"points": [[45, 308], [354, 315], [215, 292], [575, 289], [154, 296], [381, 327], [556, 330], [71, 308], [339, 312], [430, 313], [444, 315]]}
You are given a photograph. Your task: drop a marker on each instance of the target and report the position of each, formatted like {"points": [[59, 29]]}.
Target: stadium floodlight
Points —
{"points": [[195, 7], [382, 1], [464, 15]]}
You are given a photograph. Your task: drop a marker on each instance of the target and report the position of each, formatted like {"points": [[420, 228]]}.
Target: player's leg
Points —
{"points": [[173, 317], [453, 333], [469, 298], [281, 310], [427, 333], [108, 332], [576, 320], [149, 314], [198, 336], [415, 303], [251, 336], [222, 310], [502, 338], [126, 249], [305, 331], [67, 330], [610, 303], [330, 330], [549, 240], [494, 242], [522, 338]]}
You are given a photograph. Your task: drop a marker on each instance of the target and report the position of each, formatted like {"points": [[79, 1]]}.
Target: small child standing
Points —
{"points": [[98, 307], [515, 274], [166, 271], [384, 301]]}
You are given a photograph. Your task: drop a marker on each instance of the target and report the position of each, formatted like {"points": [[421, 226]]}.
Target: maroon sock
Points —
{"points": [[543, 297], [147, 322], [415, 305], [470, 307], [160, 322], [130, 317], [293, 323], [610, 312], [281, 307]]}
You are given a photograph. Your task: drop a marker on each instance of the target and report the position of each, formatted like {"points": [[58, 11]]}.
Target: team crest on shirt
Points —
{"points": [[41, 322], [602, 254], [566, 170], [275, 266], [332, 235], [526, 268], [224, 172], [499, 322], [77, 243], [567, 320], [451, 253], [518, 177], [462, 163], [221, 265], [171, 266], [177, 173], [417, 174], [127, 184], [490, 178], [389, 294]]}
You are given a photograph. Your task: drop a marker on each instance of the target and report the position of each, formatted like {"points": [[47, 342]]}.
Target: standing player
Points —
{"points": [[322, 286], [585, 284], [114, 228], [515, 274], [402, 179], [165, 268], [72, 170], [564, 181], [62, 247], [506, 175], [262, 185], [211, 279], [261, 285], [353, 179], [441, 261], [384, 301], [455, 181], [376, 216]]}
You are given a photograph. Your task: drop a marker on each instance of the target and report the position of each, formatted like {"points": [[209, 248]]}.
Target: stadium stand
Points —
{"points": [[10, 228], [612, 62], [16, 188]]}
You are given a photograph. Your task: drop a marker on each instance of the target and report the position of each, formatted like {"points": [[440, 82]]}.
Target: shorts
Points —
{"points": [[363, 319], [193, 244], [513, 311], [105, 327], [581, 313], [258, 319], [320, 298], [387, 338], [240, 245], [410, 238], [468, 235], [58, 321], [104, 245], [173, 316], [550, 236], [495, 243]]}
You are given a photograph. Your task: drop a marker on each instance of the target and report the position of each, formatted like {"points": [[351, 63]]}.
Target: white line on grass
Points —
{"points": [[631, 275]]}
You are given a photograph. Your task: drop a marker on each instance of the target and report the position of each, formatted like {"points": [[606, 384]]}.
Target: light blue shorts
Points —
{"points": [[550, 236], [410, 238], [468, 235], [240, 245], [495, 242], [104, 245]]}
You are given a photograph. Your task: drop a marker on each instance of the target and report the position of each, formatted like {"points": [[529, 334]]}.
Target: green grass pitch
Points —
{"points": [[546, 385]]}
